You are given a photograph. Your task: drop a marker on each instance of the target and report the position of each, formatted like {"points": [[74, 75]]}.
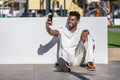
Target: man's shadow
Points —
{"points": [[45, 48], [81, 75]]}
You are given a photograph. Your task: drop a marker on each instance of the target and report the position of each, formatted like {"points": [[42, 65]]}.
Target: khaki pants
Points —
{"points": [[83, 53]]}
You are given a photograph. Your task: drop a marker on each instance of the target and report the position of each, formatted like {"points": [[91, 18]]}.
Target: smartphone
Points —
{"points": [[50, 17]]}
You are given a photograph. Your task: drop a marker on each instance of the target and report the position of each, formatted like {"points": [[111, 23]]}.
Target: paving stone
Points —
{"points": [[114, 54], [108, 71]]}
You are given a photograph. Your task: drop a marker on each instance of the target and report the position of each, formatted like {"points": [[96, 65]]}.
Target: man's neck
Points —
{"points": [[72, 29]]}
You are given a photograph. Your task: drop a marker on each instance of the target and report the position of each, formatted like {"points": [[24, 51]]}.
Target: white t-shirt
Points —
{"points": [[68, 43]]}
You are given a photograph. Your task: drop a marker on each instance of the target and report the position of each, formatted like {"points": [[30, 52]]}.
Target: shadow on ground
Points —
{"points": [[115, 45], [80, 75]]}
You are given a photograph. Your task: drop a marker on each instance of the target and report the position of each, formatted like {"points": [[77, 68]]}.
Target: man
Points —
{"points": [[76, 45]]}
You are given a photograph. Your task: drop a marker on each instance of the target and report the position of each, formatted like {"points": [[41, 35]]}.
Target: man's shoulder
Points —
{"points": [[62, 28]]}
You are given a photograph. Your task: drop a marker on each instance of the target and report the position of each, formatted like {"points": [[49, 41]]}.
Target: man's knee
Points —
{"points": [[84, 35]]}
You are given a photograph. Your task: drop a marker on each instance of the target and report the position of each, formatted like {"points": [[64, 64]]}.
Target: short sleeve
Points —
{"points": [[60, 31]]}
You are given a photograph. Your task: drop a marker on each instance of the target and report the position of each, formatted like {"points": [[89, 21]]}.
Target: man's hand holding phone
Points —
{"points": [[50, 17], [49, 21]]}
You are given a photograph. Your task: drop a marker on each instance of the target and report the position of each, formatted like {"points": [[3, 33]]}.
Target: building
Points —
{"points": [[44, 7], [62, 7]]}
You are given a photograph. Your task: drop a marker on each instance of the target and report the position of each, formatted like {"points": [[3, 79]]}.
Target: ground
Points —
{"points": [[108, 71], [114, 54]]}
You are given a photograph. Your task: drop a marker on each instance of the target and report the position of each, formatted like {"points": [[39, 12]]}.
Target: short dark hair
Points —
{"points": [[75, 13]]}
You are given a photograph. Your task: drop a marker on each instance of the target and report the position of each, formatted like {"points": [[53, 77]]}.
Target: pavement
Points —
{"points": [[114, 54], [114, 29], [108, 71]]}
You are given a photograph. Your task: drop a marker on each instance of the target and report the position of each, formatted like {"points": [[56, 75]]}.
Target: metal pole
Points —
{"points": [[26, 7], [61, 12], [84, 8], [64, 7], [12, 8], [47, 6], [2, 8], [119, 10], [40, 4], [20, 7], [53, 10]]}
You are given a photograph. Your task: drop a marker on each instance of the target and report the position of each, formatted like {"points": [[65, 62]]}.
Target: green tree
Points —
{"points": [[115, 2]]}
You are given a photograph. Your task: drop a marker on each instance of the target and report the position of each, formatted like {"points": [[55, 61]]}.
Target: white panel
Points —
{"points": [[117, 21], [21, 38]]}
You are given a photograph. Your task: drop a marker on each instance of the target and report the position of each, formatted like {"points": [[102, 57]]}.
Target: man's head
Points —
{"points": [[75, 13], [73, 19]]}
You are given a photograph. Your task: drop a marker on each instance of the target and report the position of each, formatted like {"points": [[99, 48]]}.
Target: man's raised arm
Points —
{"points": [[49, 30]]}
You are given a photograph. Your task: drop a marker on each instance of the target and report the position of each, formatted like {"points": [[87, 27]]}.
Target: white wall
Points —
{"points": [[20, 40], [89, 1], [117, 21]]}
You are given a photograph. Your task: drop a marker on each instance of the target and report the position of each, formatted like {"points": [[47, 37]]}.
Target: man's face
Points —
{"points": [[72, 21]]}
